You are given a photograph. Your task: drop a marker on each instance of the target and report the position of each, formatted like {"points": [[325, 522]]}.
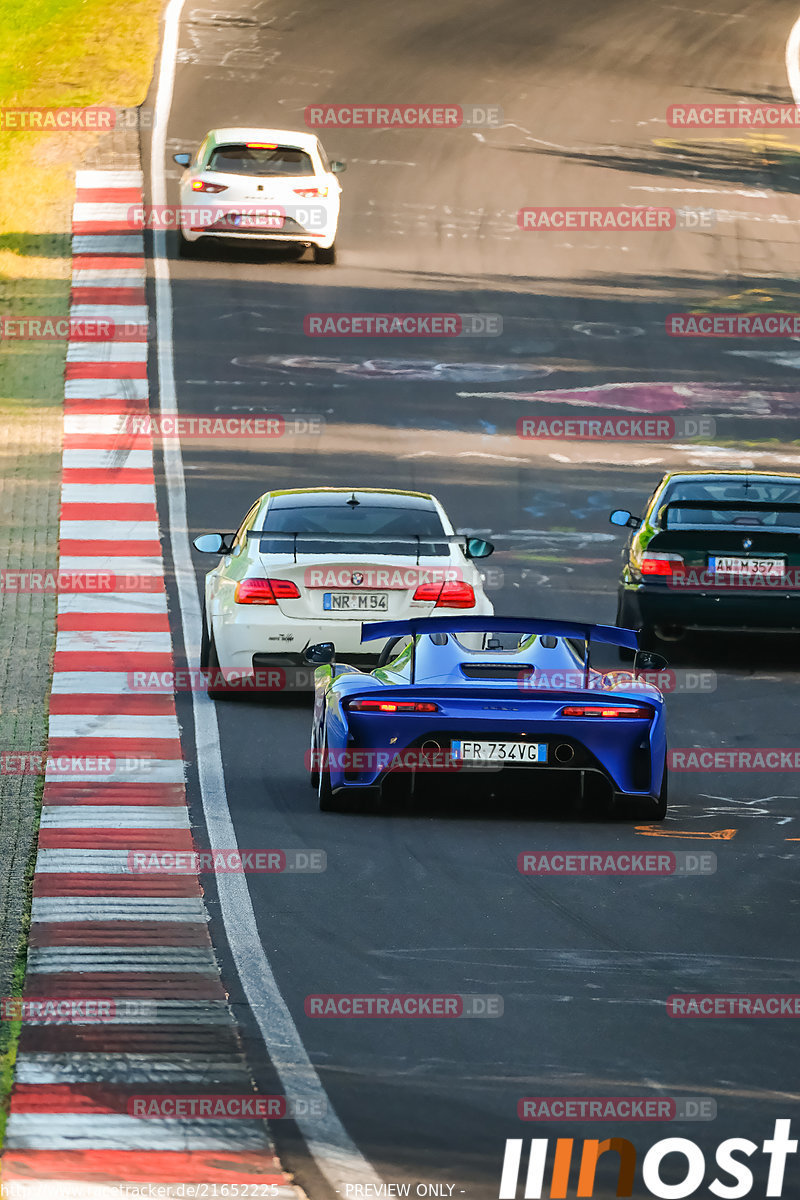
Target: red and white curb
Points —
{"points": [[97, 929]]}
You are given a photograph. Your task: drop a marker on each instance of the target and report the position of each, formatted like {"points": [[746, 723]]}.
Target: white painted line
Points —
{"points": [[120, 641], [108, 179], [114, 816], [103, 683], [107, 243], [113, 725], [53, 960], [117, 314], [112, 351], [118, 908], [94, 1067], [108, 460], [105, 389], [112, 602], [112, 1131], [113, 277], [122, 531], [104, 210], [106, 424], [108, 493], [113, 564], [130, 769], [91, 862], [334, 1151]]}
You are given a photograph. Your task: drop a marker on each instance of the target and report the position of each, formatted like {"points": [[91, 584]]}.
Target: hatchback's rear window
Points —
{"points": [[260, 158], [736, 496], [373, 521]]}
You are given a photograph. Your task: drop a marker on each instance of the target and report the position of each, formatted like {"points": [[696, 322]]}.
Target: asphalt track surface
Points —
{"points": [[429, 899]]}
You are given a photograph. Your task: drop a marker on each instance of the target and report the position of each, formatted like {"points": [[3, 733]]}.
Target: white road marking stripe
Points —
{"points": [[104, 683], [114, 816], [55, 960], [90, 178], [108, 493], [105, 389], [118, 640], [134, 314], [114, 277], [335, 1153], [104, 210], [112, 1131], [118, 908], [90, 862], [111, 351], [112, 602], [106, 424], [162, 770], [113, 725], [127, 564], [107, 243], [122, 531], [123, 458], [93, 1067]]}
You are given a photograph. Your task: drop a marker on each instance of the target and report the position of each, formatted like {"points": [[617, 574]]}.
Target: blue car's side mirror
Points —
{"points": [[320, 654]]}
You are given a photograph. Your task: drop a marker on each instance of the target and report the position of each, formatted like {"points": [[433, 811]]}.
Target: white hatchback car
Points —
{"points": [[309, 566], [267, 185]]}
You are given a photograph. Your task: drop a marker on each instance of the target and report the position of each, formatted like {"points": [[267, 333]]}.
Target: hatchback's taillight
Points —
{"points": [[450, 594], [391, 706], [594, 710], [201, 185], [307, 193], [265, 591]]}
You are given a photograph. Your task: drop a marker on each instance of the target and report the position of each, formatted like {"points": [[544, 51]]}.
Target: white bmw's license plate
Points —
{"points": [[499, 752], [355, 601], [747, 566]]}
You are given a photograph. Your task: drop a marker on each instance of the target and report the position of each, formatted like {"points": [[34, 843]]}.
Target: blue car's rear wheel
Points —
{"points": [[328, 800]]}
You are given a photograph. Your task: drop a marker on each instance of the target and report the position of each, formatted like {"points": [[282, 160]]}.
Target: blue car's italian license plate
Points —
{"points": [[499, 752]]}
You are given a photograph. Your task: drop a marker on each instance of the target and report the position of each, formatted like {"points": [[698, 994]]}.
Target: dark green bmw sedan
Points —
{"points": [[714, 550]]}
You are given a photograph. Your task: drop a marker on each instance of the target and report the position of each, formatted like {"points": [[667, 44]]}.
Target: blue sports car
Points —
{"points": [[510, 700]]}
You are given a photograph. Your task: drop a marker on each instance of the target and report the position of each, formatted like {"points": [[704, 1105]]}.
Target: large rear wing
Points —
{"points": [[711, 505], [610, 634], [414, 540]]}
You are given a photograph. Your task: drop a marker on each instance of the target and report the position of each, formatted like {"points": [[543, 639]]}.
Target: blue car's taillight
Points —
{"points": [[391, 706], [597, 710]]}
